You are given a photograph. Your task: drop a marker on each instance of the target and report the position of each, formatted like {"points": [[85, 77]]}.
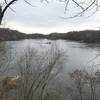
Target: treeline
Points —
{"points": [[6, 35], [89, 36]]}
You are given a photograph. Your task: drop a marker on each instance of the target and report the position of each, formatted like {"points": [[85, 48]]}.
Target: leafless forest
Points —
{"points": [[29, 75]]}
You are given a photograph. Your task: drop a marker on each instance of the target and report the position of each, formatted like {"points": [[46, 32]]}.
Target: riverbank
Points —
{"points": [[87, 36]]}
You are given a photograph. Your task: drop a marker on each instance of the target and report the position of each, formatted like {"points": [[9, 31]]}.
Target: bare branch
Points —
{"points": [[9, 6], [5, 8], [78, 5], [66, 5], [29, 3], [83, 6]]}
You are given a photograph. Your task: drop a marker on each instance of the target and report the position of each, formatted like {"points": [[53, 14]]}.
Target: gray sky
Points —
{"points": [[46, 18]]}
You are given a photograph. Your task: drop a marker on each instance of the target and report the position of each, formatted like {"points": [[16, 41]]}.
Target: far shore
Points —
{"points": [[86, 36]]}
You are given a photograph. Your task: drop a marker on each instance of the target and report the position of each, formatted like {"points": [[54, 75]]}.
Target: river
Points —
{"points": [[72, 55]]}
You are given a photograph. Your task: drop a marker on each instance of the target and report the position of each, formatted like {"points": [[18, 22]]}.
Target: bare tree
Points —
{"points": [[87, 85], [36, 74], [80, 79], [82, 5], [5, 5], [5, 58]]}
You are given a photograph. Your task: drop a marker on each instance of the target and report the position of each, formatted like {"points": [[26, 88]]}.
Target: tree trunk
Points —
{"points": [[2, 11], [1, 18]]}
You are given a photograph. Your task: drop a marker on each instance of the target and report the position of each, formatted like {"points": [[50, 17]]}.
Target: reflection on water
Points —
{"points": [[73, 56]]}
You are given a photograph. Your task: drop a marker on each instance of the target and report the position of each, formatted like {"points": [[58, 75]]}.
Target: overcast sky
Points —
{"points": [[46, 18]]}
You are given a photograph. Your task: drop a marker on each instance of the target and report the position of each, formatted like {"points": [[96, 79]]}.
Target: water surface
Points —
{"points": [[74, 54]]}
